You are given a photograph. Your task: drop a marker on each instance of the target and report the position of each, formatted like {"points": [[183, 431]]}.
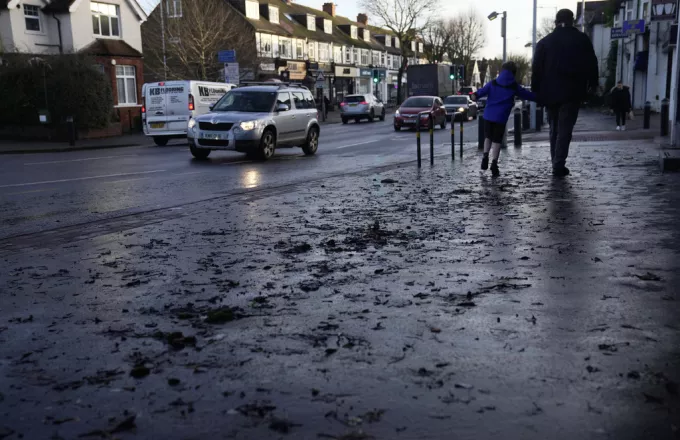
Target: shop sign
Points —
{"points": [[297, 70], [346, 72], [366, 72], [267, 67]]}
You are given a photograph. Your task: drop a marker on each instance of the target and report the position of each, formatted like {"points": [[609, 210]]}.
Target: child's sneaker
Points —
{"points": [[485, 162], [494, 168]]}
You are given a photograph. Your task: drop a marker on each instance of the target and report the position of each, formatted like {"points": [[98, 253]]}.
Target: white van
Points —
{"points": [[168, 106]]}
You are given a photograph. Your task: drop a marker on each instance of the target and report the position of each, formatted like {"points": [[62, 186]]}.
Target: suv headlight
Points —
{"points": [[461, 109], [192, 123], [397, 112], [248, 125]]}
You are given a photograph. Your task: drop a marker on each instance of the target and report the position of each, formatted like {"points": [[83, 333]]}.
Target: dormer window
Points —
{"points": [[353, 32], [311, 23], [367, 35], [273, 14], [413, 46], [421, 47], [397, 43], [252, 10], [328, 26], [388, 41]]}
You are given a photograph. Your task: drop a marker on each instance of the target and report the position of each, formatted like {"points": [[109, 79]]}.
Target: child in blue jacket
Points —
{"points": [[501, 94]]}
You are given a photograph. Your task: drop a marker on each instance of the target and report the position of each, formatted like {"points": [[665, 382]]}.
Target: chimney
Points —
{"points": [[363, 19], [329, 8]]}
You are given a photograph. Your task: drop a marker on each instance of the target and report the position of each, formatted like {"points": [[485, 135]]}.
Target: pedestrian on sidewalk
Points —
{"points": [[620, 103], [564, 71], [501, 94]]}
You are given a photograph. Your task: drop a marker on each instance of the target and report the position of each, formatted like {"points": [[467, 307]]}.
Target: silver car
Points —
{"points": [[360, 107], [460, 107], [256, 120]]}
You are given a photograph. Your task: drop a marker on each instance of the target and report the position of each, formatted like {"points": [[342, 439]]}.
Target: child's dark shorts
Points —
{"points": [[494, 131]]}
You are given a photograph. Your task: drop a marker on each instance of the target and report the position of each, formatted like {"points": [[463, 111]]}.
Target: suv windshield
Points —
{"points": [[246, 101], [456, 100], [356, 98], [418, 102]]}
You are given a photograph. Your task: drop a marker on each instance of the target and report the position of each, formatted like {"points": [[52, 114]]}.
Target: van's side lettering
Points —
{"points": [[165, 90], [210, 91]]}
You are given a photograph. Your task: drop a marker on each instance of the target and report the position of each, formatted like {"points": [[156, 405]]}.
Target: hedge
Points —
{"points": [[74, 88]]}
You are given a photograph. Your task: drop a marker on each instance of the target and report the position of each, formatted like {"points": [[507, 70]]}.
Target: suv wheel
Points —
{"points": [[160, 141], [371, 117], [344, 120], [199, 153], [382, 115], [267, 144], [312, 143]]}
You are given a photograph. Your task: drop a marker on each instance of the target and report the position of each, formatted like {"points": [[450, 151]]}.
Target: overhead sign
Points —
{"points": [[664, 10], [226, 56], [634, 27], [617, 33], [231, 73]]}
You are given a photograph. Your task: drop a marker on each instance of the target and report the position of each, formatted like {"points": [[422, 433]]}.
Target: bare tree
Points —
{"points": [[437, 36], [406, 19], [193, 38], [523, 67], [546, 26], [467, 38]]}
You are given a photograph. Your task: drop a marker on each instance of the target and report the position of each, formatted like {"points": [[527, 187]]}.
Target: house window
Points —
{"points": [[367, 35], [32, 18], [266, 45], [328, 26], [311, 23], [252, 10], [348, 55], [275, 46], [356, 56], [376, 58], [337, 54], [300, 50], [311, 50], [323, 52], [421, 48], [383, 59], [174, 8], [353, 32], [397, 43], [274, 14], [413, 46], [285, 48], [388, 41], [126, 81], [364, 58], [105, 19]]}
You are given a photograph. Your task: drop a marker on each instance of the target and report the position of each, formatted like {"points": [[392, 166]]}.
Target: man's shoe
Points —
{"points": [[618, 128], [485, 162], [561, 172], [623, 128], [494, 169]]}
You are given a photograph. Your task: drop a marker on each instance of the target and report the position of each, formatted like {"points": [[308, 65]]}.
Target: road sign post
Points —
{"points": [[231, 73]]}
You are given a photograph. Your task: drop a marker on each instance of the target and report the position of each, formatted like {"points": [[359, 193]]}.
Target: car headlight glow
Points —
{"points": [[461, 109], [192, 123], [248, 125], [396, 113]]}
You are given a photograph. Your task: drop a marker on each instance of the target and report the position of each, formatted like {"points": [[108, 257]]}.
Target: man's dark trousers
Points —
{"points": [[562, 118]]}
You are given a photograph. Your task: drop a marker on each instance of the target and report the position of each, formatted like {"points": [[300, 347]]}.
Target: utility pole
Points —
{"points": [[165, 61], [583, 15], [532, 107], [504, 35]]}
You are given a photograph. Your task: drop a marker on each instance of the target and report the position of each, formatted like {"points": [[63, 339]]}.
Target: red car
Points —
{"points": [[407, 115]]}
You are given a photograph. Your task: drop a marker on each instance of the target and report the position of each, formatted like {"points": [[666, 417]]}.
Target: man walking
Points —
{"points": [[564, 70]]}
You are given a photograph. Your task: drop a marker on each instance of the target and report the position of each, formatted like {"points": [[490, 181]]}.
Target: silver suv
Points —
{"points": [[257, 119]]}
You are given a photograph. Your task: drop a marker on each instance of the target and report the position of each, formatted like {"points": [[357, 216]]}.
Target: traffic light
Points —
{"points": [[376, 76], [461, 72], [452, 72]]}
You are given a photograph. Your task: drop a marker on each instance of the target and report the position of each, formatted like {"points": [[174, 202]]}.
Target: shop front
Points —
{"points": [[345, 81], [392, 86], [297, 70], [380, 87], [365, 80], [267, 70]]}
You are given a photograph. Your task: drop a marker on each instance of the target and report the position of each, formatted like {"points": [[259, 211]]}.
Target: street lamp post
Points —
{"points": [[532, 111], [504, 18]]}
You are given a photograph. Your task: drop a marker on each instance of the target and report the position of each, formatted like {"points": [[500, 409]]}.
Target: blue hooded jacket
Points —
{"points": [[501, 97]]}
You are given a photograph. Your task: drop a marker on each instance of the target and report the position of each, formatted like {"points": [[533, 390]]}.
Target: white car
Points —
{"points": [[169, 106]]}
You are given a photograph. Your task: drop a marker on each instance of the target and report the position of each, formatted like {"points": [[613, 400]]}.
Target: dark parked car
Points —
{"points": [[460, 106], [408, 114]]}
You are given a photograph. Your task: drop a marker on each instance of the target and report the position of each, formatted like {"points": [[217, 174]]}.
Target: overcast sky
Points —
{"points": [[519, 18]]}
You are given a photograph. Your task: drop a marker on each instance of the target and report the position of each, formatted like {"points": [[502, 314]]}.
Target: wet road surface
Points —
{"points": [[389, 304]]}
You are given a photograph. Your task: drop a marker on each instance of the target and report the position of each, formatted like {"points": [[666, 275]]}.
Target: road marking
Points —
{"points": [[360, 143], [124, 180], [26, 192], [191, 172], [238, 162], [77, 179], [79, 160]]}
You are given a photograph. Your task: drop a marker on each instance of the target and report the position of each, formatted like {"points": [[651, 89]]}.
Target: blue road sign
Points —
{"points": [[617, 33], [634, 27], [226, 56]]}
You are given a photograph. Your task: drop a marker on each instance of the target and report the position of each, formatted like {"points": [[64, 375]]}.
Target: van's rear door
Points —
{"points": [[167, 107]]}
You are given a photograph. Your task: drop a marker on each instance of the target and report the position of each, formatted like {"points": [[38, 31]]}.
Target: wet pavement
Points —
{"points": [[389, 303]]}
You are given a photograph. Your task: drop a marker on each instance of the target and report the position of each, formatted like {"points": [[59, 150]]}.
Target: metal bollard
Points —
{"points": [[420, 162], [518, 127], [648, 114], [461, 137], [480, 132], [71, 131], [431, 124], [453, 139], [665, 108], [539, 118], [526, 120]]}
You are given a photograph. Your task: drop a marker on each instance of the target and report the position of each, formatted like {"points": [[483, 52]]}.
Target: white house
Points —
{"points": [[108, 30], [600, 34]]}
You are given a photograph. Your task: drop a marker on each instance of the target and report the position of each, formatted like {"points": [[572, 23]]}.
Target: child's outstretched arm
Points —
{"points": [[482, 92], [526, 95]]}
